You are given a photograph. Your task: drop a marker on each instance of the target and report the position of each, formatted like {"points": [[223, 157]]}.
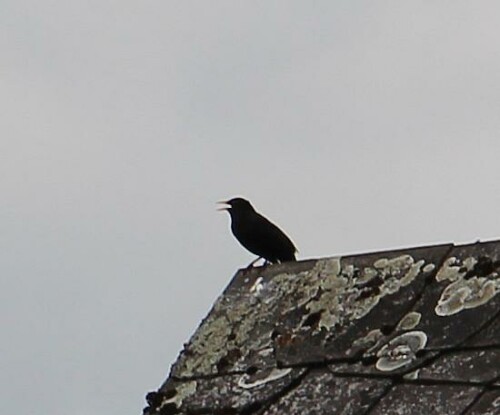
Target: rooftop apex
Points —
{"points": [[390, 332]]}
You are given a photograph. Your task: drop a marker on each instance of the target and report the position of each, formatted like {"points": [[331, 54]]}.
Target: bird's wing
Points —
{"points": [[272, 239]]}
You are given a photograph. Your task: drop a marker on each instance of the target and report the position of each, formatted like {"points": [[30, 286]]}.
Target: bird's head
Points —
{"points": [[237, 205]]}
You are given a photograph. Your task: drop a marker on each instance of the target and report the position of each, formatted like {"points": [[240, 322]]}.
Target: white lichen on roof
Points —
{"points": [[368, 342], [466, 290], [250, 382], [409, 321], [341, 298], [454, 269], [400, 351], [464, 294], [182, 392]]}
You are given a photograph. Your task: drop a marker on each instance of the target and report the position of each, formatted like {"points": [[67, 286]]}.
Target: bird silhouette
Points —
{"points": [[258, 234]]}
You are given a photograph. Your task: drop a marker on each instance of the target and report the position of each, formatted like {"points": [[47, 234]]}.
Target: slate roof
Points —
{"points": [[412, 331]]}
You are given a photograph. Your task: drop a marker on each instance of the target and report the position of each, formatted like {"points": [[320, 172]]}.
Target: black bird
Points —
{"points": [[257, 234]]}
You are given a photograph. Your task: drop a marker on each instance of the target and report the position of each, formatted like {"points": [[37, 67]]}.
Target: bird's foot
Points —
{"points": [[251, 265]]}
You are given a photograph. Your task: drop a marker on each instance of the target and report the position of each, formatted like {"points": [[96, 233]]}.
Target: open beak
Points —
{"points": [[227, 207]]}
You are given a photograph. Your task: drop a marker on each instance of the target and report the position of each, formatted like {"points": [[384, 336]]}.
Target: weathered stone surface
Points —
{"points": [[238, 333], [398, 361], [488, 404], [490, 336], [321, 391], [426, 399], [412, 331], [481, 366], [225, 393], [354, 296]]}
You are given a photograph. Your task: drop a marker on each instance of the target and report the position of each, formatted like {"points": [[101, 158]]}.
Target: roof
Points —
{"points": [[400, 332]]}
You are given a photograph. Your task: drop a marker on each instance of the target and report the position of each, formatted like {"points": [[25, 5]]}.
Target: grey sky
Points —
{"points": [[356, 126]]}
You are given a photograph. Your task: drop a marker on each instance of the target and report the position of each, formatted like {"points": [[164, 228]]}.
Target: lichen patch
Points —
{"points": [[346, 293], [464, 294], [333, 293], [454, 269], [179, 394], [368, 342], [262, 377], [257, 286], [400, 351], [409, 321], [412, 375], [473, 282]]}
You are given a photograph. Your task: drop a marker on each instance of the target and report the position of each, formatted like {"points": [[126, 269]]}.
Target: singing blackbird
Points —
{"points": [[257, 234]]}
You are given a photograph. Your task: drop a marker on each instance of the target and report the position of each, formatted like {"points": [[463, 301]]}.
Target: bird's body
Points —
{"points": [[258, 234]]}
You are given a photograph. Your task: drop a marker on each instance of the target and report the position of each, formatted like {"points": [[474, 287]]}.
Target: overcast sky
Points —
{"points": [[355, 126]]}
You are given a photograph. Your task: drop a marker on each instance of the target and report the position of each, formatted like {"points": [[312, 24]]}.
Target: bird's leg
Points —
{"points": [[253, 262]]}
